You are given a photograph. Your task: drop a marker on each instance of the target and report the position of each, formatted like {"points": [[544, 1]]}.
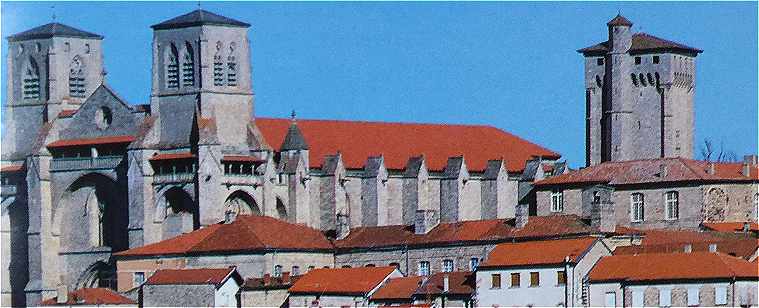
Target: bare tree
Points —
{"points": [[711, 152]]}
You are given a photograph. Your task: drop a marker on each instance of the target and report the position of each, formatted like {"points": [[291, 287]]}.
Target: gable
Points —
{"points": [[103, 114]]}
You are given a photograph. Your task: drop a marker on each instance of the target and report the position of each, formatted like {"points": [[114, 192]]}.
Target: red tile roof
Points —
{"points": [[731, 226], [245, 234], [619, 20], [67, 113], [195, 276], [357, 141], [401, 288], [91, 296], [649, 171], [538, 227], [535, 253], [242, 158], [170, 156], [91, 141], [268, 282], [459, 283], [348, 281], [672, 266], [668, 241], [12, 168], [642, 43]]}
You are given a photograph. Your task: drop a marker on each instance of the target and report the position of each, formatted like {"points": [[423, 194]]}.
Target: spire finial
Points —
{"points": [[199, 8], [292, 115], [52, 7]]}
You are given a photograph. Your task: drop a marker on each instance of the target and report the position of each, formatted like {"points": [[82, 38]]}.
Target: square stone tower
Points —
{"points": [[201, 69], [638, 96], [50, 68]]}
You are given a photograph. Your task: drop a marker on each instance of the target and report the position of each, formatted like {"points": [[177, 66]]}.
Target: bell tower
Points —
{"points": [[201, 69]]}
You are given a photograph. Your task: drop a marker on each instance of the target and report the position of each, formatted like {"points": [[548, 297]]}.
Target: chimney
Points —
{"points": [[746, 227], [749, 161], [285, 277], [710, 169], [662, 170], [712, 247], [63, 294], [342, 226], [425, 221], [688, 248], [267, 279], [521, 215], [602, 217]]}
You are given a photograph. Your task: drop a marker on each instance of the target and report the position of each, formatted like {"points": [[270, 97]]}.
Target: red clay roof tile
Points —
{"points": [[731, 226], [401, 288], [213, 276], [360, 280], [671, 266], [12, 168], [537, 252], [91, 297], [91, 141], [459, 283], [246, 233], [650, 171], [170, 156], [67, 113], [669, 241], [357, 141]]}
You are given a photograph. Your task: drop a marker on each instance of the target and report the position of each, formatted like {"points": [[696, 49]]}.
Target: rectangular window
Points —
{"points": [[693, 296], [278, 271], [665, 297], [495, 281], [515, 280], [139, 278], [637, 60], [473, 264], [656, 59], [637, 297], [671, 205], [610, 299], [424, 268], [557, 201], [295, 271], [637, 204], [534, 279], [447, 266], [561, 278], [720, 295], [600, 61]]}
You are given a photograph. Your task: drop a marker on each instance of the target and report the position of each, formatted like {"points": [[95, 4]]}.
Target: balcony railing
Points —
{"points": [[173, 178], [85, 163], [8, 190], [242, 179]]}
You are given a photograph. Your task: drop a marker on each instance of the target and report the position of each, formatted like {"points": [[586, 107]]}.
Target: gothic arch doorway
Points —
{"points": [[98, 275], [92, 212], [240, 203], [180, 212]]}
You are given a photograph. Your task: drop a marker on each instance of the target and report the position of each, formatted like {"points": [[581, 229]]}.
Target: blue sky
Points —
{"points": [[511, 65]]}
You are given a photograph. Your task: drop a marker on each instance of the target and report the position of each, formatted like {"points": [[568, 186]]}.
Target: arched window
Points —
{"points": [[231, 66], [172, 68], [218, 66], [188, 66], [76, 78], [241, 203], [637, 204], [31, 81], [277, 270], [671, 205]]}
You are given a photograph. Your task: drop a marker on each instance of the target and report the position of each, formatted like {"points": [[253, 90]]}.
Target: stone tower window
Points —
{"points": [[218, 66], [637, 60], [31, 81], [20, 49], [87, 48], [634, 79], [655, 60], [37, 47], [231, 66], [188, 66], [66, 47], [600, 61], [172, 68], [76, 78]]}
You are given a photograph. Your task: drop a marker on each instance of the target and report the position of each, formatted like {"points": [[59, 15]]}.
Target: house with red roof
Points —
{"points": [[662, 193], [267, 291], [340, 286], [197, 287], [255, 245], [673, 279], [452, 289], [538, 273]]}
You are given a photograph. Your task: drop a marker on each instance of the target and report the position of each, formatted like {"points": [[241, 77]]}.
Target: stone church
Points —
{"points": [[86, 174]]}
